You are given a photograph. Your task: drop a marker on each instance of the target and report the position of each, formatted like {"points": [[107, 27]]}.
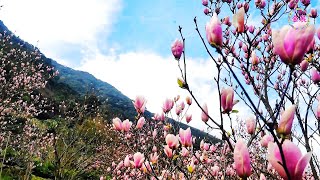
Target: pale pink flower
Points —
{"points": [[154, 158], [140, 123], [140, 104], [286, 120], [126, 125], [265, 140], [185, 137], [290, 42], [238, 20], [177, 49], [172, 141], [204, 113], [296, 163], [227, 101], [315, 75], [184, 152], [159, 116], [251, 125], [189, 100], [167, 105], [254, 58], [138, 159], [242, 159], [126, 161], [214, 31], [304, 65], [117, 124], [188, 117], [168, 151]]}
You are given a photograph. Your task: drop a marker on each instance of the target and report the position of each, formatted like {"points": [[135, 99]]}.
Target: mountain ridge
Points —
{"points": [[74, 83]]}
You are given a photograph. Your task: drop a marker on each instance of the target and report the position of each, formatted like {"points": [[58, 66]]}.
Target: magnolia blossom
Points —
{"points": [[290, 42], [117, 124], [238, 20], [126, 125], [177, 49], [265, 140], [126, 161], [304, 65], [140, 123], [188, 117], [167, 105], [214, 31], [286, 120], [204, 114], [254, 58], [251, 125], [188, 100], [140, 104], [172, 141], [227, 101], [296, 163], [315, 75], [138, 160], [242, 159], [185, 137], [168, 151]]}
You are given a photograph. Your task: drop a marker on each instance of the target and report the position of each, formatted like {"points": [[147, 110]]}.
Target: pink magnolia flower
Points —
{"points": [[188, 117], [168, 151], [290, 42], [140, 123], [254, 58], [214, 31], [159, 116], [238, 20], [117, 124], [126, 161], [227, 101], [140, 104], [172, 141], [313, 13], [315, 75], [204, 116], [189, 100], [126, 125], [304, 65], [185, 137], [177, 49], [205, 2], [154, 158], [167, 105], [242, 159], [138, 160], [251, 125], [296, 163], [318, 33], [184, 152], [286, 120], [265, 140]]}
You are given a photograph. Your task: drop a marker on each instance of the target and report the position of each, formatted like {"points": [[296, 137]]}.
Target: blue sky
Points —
{"points": [[123, 42]]}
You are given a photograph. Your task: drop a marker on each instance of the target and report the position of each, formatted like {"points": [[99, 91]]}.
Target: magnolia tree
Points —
{"points": [[272, 67]]}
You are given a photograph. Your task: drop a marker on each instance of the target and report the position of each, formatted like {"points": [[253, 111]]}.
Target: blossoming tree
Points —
{"points": [[272, 68]]}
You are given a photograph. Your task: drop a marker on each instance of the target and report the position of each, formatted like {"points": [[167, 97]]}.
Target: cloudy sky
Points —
{"points": [[125, 43]]}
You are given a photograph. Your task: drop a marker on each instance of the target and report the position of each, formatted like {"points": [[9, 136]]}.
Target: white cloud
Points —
{"points": [[50, 24], [155, 77]]}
